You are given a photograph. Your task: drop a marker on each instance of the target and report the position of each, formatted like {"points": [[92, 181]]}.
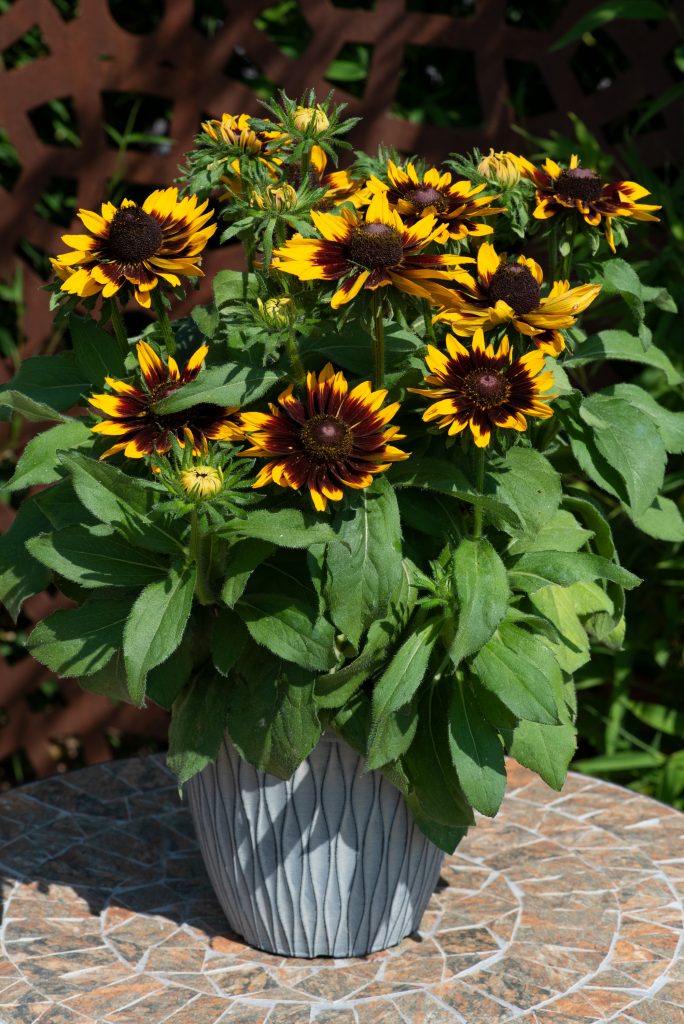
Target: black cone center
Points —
{"points": [[375, 246], [579, 183], [486, 388], [133, 235], [427, 196], [325, 438], [515, 285]]}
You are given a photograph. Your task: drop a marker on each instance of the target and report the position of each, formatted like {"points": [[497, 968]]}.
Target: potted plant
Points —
{"points": [[347, 521]]}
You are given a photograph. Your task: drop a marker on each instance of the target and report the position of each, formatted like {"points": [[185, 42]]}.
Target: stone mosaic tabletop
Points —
{"points": [[567, 909]]}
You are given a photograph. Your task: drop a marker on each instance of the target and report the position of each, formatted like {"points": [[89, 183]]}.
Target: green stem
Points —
{"points": [[118, 325], [378, 341], [427, 319], [296, 367], [479, 487], [163, 320], [553, 250], [566, 265], [198, 553]]}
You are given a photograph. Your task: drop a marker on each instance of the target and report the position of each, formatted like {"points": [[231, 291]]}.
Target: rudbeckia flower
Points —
{"points": [[333, 438], [140, 429], [483, 389], [581, 189], [454, 205], [369, 252], [510, 292], [136, 245]]}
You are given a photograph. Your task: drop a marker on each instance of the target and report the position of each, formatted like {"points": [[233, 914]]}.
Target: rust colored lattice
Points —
{"points": [[91, 62]]}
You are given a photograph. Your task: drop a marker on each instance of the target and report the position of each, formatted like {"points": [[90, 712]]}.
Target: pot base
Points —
{"points": [[326, 863]]}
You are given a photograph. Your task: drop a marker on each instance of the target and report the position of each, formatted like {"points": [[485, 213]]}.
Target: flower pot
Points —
{"points": [[327, 863]]}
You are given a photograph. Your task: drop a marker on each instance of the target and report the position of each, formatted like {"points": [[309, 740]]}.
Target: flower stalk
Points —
{"points": [[201, 553], [480, 457], [378, 341], [164, 322], [118, 326]]}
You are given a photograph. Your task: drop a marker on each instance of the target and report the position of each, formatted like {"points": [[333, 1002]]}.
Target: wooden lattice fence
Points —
{"points": [[100, 60]]}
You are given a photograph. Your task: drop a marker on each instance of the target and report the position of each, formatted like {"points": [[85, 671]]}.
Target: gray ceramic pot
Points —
{"points": [[327, 863]]}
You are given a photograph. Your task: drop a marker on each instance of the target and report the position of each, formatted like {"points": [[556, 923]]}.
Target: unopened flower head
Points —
{"points": [[502, 168], [201, 481], [277, 311], [276, 197], [304, 116]]}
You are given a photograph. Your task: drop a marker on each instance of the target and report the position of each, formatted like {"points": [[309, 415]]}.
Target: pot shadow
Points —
{"points": [[117, 836]]}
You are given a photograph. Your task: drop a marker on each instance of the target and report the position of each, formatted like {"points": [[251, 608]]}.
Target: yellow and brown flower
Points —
{"points": [[136, 245], [483, 389], [510, 292], [581, 189], [456, 205], [339, 185], [141, 430], [369, 252], [332, 439]]}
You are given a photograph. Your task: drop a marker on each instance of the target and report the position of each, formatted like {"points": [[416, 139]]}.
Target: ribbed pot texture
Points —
{"points": [[327, 863]]}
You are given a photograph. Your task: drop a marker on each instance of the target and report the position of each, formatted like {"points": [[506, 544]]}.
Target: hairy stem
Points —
{"points": [[378, 342], [198, 553], [163, 321], [296, 367], [427, 320], [118, 325], [479, 487]]}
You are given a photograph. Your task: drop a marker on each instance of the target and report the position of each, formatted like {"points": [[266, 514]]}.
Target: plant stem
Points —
{"points": [[296, 367], [198, 554], [553, 251], [378, 342], [479, 486], [163, 320], [118, 325], [427, 319], [566, 265]]}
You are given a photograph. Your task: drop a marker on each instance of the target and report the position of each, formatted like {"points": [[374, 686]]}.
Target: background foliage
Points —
{"points": [[631, 702]]}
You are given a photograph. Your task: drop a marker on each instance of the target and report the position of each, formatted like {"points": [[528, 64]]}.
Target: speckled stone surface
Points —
{"points": [[567, 909]]}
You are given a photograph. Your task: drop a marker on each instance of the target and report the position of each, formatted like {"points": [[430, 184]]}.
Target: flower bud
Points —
{"points": [[277, 312], [276, 197], [305, 115], [503, 168], [201, 481]]}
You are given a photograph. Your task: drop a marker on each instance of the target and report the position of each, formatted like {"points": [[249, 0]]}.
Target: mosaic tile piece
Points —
{"points": [[566, 909]]}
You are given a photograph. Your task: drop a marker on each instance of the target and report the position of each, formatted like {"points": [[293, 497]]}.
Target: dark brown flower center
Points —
{"points": [[486, 388], [426, 196], [376, 246], [325, 438], [133, 235], [514, 284], [579, 183]]}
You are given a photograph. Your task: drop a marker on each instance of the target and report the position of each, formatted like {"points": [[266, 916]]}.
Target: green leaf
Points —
{"points": [[122, 501], [350, 346], [234, 285], [227, 384], [603, 14], [476, 753], [544, 749], [621, 345], [228, 641], [662, 520], [670, 425], [438, 475], [437, 794], [630, 444], [511, 665], [353, 721], [198, 719], [80, 641], [166, 681], [561, 533], [96, 557], [109, 681], [528, 484], [537, 569], [39, 464], [658, 717], [364, 565], [284, 527], [557, 604], [52, 381], [618, 278], [97, 353], [21, 576], [241, 561], [590, 460], [394, 690], [156, 625], [61, 507], [290, 628], [272, 720], [483, 595], [28, 408]]}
